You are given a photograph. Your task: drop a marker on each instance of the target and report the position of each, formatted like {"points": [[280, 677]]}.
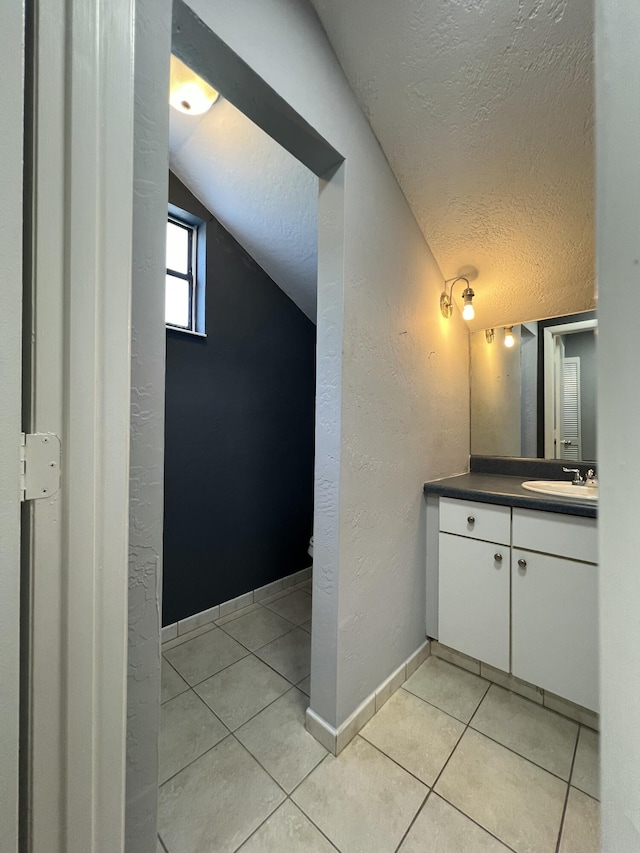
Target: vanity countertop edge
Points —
{"points": [[505, 490]]}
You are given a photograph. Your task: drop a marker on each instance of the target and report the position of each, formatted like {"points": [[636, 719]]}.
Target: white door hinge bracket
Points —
{"points": [[39, 465]]}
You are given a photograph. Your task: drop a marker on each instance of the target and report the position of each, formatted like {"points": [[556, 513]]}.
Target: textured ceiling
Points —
{"points": [[484, 109], [265, 197]]}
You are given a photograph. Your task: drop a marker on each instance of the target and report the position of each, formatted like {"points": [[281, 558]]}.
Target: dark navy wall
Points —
{"points": [[239, 434]]}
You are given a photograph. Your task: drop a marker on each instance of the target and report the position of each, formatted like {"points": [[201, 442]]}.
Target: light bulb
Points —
{"points": [[468, 312], [508, 336], [187, 92], [467, 309]]}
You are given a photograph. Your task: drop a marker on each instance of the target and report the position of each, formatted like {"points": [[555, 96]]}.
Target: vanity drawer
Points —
{"points": [[476, 520], [552, 533]]}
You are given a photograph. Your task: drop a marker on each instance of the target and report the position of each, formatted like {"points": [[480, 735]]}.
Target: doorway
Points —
{"points": [[570, 384]]}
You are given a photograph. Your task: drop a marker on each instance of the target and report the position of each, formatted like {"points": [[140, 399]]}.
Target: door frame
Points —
{"points": [[78, 309], [12, 110]]}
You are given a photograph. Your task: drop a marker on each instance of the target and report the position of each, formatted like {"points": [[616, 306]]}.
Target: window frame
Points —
{"points": [[196, 270]]}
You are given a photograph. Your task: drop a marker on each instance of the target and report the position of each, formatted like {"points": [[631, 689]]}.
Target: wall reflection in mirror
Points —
{"points": [[536, 398]]}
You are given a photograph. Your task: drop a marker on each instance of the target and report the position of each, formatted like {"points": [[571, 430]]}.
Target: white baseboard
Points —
{"points": [[334, 739], [183, 626]]}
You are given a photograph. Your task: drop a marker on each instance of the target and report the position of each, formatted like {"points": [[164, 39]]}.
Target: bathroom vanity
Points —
{"points": [[512, 581]]}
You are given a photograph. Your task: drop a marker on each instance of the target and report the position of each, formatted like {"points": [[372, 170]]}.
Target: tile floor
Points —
{"points": [[451, 763]]}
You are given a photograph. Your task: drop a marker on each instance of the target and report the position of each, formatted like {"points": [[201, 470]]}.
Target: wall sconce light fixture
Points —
{"points": [[446, 299], [187, 92], [490, 335], [509, 340]]}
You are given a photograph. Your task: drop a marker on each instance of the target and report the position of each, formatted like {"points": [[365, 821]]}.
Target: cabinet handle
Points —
{"points": [[470, 519], [497, 558], [522, 563]]}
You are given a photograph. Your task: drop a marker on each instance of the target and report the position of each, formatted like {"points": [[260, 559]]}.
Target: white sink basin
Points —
{"points": [[562, 488]]}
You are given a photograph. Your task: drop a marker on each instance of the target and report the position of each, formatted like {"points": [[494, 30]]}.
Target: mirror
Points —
{"points": [[538, 397]]}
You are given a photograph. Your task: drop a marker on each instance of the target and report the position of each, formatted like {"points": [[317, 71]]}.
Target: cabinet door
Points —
{"points": [[555, 625], [473, 598]]}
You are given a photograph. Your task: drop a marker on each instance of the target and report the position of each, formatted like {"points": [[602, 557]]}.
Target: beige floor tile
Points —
{"points": [[448, 687], [240, 691], [512, 798], [216, 803], [527, 728], [187, 729], [586, 770], [287, 831], [290, 655], [172, 683], [205, 655], [296, 607], [305, 685], [415, 734], [159, 847], [361, 800], [237, 614], [439, 828], [278, 739], [581, 830], [258, 628]]}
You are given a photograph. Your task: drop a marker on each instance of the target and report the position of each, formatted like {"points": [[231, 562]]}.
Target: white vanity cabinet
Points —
{"points": [[473, 601], [554, 604], [517, 589]]}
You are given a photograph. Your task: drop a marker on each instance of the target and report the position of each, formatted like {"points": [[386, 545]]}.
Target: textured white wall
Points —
{"points": [[150, 176], [403, 416], [618, 247], [484, 109], [261, 194]]}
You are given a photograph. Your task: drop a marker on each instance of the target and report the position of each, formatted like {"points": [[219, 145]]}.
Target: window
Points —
{"points": [[184, 285]]}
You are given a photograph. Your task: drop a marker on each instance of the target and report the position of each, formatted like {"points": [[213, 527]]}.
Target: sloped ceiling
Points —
{"points": [[484, 109], [262, 195]]}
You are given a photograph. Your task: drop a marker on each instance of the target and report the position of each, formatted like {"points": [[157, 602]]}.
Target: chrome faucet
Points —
{"points": [[591, 478]]}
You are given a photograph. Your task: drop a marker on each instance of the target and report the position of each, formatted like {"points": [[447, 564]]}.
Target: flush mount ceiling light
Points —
{"points": [[509, 340], [187, 92], [446, 299]]}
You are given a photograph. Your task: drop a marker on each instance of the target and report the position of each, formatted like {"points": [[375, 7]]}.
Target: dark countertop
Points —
{"points": [[507, 491]]}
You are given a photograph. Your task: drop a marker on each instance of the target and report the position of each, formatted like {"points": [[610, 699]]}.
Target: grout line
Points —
{"points": [[519, 754], [566, 796], [437, 779], [202, 680], [483, 828], [453, 717], [249, 652], [271, 776], [268, 817], [170, 778], [499, 743], [391, 758], [248, 720], [162, 844], [322, 761], [415, 818], [284, 633], [169, 664]]}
